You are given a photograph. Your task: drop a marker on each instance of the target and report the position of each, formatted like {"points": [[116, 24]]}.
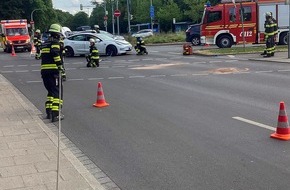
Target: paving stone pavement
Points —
{"points": [[28, 150]]}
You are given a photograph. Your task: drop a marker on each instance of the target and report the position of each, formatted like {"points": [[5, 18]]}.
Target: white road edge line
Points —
{"points": [[255, 123]]}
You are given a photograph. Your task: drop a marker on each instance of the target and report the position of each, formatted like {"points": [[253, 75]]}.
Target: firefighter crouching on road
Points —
{"points": [[93, 58], [270, 33], [37, 43], [140, 46], [51, 65]]}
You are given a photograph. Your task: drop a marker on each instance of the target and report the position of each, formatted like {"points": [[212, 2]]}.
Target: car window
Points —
{"points": [[78, 38]]}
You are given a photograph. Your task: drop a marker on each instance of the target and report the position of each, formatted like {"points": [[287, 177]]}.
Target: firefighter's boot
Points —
{"points": [[48, 113], [55, 116]]}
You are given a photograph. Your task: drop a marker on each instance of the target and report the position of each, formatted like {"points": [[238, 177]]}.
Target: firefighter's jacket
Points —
{"points": [[37, 40], [51, 60], [94, 52]]}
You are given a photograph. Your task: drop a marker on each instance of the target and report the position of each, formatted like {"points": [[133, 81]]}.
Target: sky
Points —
{"points": [[73, 6]]}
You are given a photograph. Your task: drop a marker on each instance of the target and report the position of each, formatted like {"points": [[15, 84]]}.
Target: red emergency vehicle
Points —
{"points": [[242, 21], [15, 32]]}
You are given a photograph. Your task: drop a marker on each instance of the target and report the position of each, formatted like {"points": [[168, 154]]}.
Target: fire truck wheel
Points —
{"points": [[224, 42], [283, 40]]}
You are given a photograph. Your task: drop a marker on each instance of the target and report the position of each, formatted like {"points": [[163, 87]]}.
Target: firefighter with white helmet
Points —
{"points": [[37, 43], [51, 66], [93, 58], [270, 32]]}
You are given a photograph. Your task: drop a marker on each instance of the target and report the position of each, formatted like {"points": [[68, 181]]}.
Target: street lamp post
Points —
{"points": [[31, 18], [129, 17], [32, 23]]}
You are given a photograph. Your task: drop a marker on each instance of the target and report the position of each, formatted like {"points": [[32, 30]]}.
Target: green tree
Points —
{"points": [[166, 14], [79, 19]]}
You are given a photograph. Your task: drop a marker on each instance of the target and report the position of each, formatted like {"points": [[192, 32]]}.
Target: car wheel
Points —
{"points": [[69, 52], [195, 40], [283, 39], [111, 50], [224, 42]]}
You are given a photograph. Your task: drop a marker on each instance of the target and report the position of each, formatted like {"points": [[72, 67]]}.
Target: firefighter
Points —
{"points": [[93, 58], [140, 46], [51, 65], [270, 27], [37, 43], [62, 56]]}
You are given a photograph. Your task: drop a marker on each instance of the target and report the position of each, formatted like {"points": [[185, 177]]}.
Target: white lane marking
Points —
{"points": [[34, 81], [215, 61], [22, 71], [121, 66], [232, 60], [263, 71], [115, 77], [147, 59], [35, 70], [286, 70], [22, 65], [255, 123], [199, 74], [199, 62], [133, 60], [154, 76], [175, 53], [135, 65], [178, 75], [95, 78], [70, 69], [75, 79], [6, 66], [131, 77]]}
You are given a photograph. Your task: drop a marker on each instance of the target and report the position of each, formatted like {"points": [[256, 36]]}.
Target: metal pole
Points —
{"points": [[129, 17], [59, 129], [118, 18], [113, 20], [106, 15], [151, 17], [288, 39]]}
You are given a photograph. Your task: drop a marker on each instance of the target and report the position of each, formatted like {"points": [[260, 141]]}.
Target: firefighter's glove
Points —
{"points": [[60, 68]]}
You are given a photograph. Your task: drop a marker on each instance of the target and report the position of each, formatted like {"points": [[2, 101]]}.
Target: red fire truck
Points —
{"points": [[242, 21], [15, 32]]}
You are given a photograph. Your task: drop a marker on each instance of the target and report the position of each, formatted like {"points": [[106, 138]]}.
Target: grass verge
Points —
{"points": [[239, 50]]}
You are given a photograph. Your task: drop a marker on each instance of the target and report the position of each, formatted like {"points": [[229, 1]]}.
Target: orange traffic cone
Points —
{"points": [[13, 51], [33, 50], [283, 130], [100, 102]]}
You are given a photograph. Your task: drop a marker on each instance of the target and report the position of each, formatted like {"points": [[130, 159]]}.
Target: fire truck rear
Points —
{"points": [[15, 33], [242, 21]]}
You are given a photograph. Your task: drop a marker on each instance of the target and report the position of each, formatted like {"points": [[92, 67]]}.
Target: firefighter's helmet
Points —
{"points": [[55, 28], [268, 14], [92, 40], [37, 31]]}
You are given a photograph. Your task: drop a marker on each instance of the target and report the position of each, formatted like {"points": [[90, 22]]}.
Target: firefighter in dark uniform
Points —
{"points": [[51, 65], [270, 32], [93, 58], [140, 46], [37, 43]]}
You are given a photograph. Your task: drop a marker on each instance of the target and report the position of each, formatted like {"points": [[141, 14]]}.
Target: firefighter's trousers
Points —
{"points": [[270, 46], [51, 82]]}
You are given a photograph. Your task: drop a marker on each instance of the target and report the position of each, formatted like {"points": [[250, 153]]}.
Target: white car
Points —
{"points": [[78, 44], [143, 33]]}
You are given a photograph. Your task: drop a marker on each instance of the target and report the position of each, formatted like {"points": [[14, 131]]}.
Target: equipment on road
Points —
{"points": [[100, 102], [187, 49], [283, 130]]}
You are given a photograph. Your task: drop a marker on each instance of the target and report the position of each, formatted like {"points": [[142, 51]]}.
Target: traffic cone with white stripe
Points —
{"points": [[283, 130], [100, 102], [13, 51]]}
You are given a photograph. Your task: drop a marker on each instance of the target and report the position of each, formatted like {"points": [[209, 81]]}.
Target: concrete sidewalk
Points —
{"points": [[28, 150]]}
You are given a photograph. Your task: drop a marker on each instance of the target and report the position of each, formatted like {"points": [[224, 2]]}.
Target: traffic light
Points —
{"points": [[81, 6], [131, 17]]}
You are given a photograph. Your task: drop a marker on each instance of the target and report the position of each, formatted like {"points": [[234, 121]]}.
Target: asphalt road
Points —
{"points": [[174, 122]]}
